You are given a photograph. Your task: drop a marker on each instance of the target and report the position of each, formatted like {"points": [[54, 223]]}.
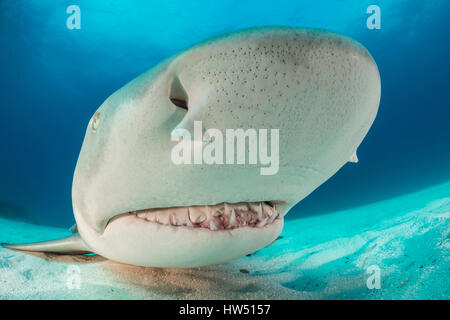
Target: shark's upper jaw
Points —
{"points": [[219, 217]]}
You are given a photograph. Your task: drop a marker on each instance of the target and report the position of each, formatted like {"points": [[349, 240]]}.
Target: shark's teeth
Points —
{"points": [[163, 218], [262, 223], [172, 219], [274, 215], [260, 211], [147, 216], [232, 222], [216, 217], [188, 220], [212, 226], [226, 208], [208, 213], [218, 213], [196, 215]]}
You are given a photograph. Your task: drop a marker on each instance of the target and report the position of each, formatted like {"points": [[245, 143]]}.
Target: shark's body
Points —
{"points": [[134, 205]]}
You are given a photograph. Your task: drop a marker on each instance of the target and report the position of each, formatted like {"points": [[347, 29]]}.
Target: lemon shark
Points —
{"points": [[132, 204]]}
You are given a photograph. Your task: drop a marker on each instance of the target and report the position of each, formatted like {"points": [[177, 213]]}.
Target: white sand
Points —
{"points": [[321, 257]]}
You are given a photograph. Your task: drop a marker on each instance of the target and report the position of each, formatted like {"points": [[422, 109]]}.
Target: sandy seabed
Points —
{"points": [[320, 257]]}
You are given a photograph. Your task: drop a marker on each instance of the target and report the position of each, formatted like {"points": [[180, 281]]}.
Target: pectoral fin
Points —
{"points": [[69, 245]]}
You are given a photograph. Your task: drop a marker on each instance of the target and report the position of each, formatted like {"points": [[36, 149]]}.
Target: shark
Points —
{"points": [[133, 205]]}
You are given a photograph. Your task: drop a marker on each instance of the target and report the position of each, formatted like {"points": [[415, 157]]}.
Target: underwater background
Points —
{"points": [[52, 80]]}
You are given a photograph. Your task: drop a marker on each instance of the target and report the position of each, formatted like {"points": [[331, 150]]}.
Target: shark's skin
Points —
{"points": [[319, 88]]}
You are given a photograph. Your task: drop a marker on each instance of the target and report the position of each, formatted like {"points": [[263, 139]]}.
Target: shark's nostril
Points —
{"points": [[179, 103], [178, 95]]}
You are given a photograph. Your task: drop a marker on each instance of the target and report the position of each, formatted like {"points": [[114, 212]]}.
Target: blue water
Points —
{"points": [[53, 79]]}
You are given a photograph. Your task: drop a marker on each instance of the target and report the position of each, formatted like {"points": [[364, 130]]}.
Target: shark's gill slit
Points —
{"points": [[178, 95]]}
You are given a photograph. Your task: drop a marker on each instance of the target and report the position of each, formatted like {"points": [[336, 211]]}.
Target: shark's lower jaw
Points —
{"points": [[191, 236], [223, 216]]}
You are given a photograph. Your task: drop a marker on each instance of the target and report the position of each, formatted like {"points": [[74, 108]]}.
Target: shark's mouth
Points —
{"points": [[223, 216]]}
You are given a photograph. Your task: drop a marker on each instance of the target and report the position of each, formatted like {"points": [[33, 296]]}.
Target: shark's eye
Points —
{"points": [[178, 95], [95, 121]]}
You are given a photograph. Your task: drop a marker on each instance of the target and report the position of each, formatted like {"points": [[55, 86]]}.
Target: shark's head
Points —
{"points": [[135, 205]]}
